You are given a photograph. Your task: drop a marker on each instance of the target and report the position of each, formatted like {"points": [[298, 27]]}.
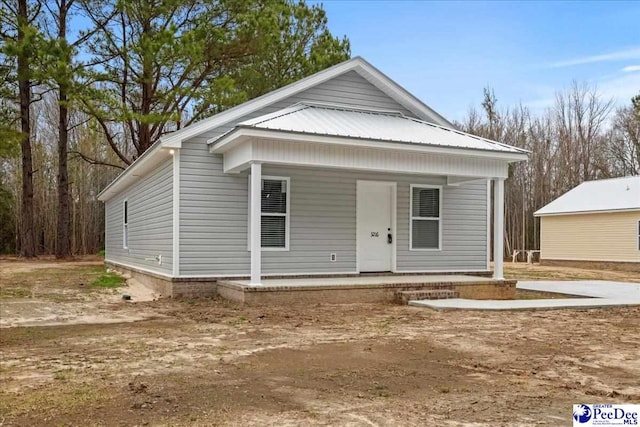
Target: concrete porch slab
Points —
{"points": [[363, 281], [602, 294], [360, 289]]}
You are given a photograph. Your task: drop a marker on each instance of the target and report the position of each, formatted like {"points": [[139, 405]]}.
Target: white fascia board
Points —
{"points": [[585, 212], [139, 167], [244, 134]]}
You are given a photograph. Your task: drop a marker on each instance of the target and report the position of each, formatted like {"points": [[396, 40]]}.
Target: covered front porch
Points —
{"points": [[385, 146]]}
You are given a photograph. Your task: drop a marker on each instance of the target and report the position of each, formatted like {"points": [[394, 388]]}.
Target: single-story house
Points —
{"points": [[597, 224], [341, 173]]}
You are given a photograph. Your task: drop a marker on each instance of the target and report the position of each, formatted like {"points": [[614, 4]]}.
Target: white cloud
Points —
{"points": [[619, 87], [622, 88], [631, 53], [631, 68]]}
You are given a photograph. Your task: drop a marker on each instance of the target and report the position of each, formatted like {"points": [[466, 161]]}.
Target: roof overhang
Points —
{"points": [[244, 134], [246, 145], [140, 167]]}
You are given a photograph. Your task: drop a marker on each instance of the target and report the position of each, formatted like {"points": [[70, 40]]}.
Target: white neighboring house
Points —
{"points": [[595, 224], [341, 173]]}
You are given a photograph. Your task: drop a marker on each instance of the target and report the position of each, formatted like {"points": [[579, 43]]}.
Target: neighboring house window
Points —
{"points": [[275, 214], [125, 224], [425, 222]]}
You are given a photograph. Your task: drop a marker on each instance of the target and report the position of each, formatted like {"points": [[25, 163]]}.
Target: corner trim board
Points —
{"points": [[176, 212]]}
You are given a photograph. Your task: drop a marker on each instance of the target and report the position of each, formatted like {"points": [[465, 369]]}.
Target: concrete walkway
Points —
{"points": [[601, 294]]}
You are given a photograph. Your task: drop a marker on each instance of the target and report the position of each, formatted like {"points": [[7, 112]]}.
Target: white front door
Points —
{"points": [[375, 225]]}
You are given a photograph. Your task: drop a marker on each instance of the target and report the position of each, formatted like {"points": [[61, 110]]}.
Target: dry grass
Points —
{"points": [[523, 271], [211, 362]]}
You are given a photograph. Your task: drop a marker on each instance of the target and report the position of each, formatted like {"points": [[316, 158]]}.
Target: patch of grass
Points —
{"points": [[52, 401], [15, 293], [240, 320], [381, 391], [101, 253], [108, 280], [384, 325], [63, 374]]}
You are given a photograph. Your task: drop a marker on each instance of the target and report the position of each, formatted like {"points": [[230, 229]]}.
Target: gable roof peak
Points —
{"points": [[357, 64]]}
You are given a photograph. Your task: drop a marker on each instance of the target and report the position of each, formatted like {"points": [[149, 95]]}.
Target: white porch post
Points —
{"points": [[256, 232], [498, 228]]}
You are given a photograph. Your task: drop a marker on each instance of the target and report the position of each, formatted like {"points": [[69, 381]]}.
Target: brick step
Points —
{"points": [[403, 297]]}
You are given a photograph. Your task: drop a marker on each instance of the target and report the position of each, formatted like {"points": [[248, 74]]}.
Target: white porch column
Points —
{"points": [[498, 228], [256, 224]]}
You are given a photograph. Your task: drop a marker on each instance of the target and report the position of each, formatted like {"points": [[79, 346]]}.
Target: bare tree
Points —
{"points": [[569, 143], [624, 137]]}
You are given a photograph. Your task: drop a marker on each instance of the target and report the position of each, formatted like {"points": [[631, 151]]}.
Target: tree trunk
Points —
{"points": [[63, 249], [147, 90], [27, 246]]}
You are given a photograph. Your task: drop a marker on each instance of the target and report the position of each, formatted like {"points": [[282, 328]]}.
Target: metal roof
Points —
{"points": [[597, 196], [342, 121]]}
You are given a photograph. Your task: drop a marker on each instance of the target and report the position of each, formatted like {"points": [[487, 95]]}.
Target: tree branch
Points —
{"points": [[92, 161]]}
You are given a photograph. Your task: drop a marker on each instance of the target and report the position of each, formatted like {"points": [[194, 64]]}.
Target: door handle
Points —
{"points": [[389, 237]]}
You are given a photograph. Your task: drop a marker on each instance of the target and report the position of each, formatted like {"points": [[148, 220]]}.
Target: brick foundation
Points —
{"points": [[345, 294], [168, 287]]}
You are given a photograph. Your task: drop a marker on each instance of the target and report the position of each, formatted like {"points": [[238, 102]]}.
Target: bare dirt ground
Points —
{"points": [[524, 271], [210, 362]]}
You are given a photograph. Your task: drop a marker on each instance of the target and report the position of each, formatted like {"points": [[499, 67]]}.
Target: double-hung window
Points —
{"points": [[125, 224], [425, 227], [274, 219]]}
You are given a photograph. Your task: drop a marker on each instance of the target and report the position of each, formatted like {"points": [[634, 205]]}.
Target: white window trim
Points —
{"points": [[411, 218], [125, 224], [638, 235], [287, 215]]}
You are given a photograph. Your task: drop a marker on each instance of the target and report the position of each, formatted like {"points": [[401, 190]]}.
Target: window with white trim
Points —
{"points": [[125, 224], [425, 224], [275, 214]]}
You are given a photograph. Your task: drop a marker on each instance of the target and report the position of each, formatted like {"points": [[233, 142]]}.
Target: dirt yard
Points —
{"points": [[104, 361]]}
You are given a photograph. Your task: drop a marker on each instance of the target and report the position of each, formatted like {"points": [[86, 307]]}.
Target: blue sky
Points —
{"points": [[446, 52]]}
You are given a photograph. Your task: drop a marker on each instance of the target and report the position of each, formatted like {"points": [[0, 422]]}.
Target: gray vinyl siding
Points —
{"points": [[214, 218], [348, 89], [464, 229], [150, 206], [214, 206]]}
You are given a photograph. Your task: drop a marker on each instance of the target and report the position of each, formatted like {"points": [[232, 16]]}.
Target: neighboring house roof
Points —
{"points": [[349, 122], [605, 195]]}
